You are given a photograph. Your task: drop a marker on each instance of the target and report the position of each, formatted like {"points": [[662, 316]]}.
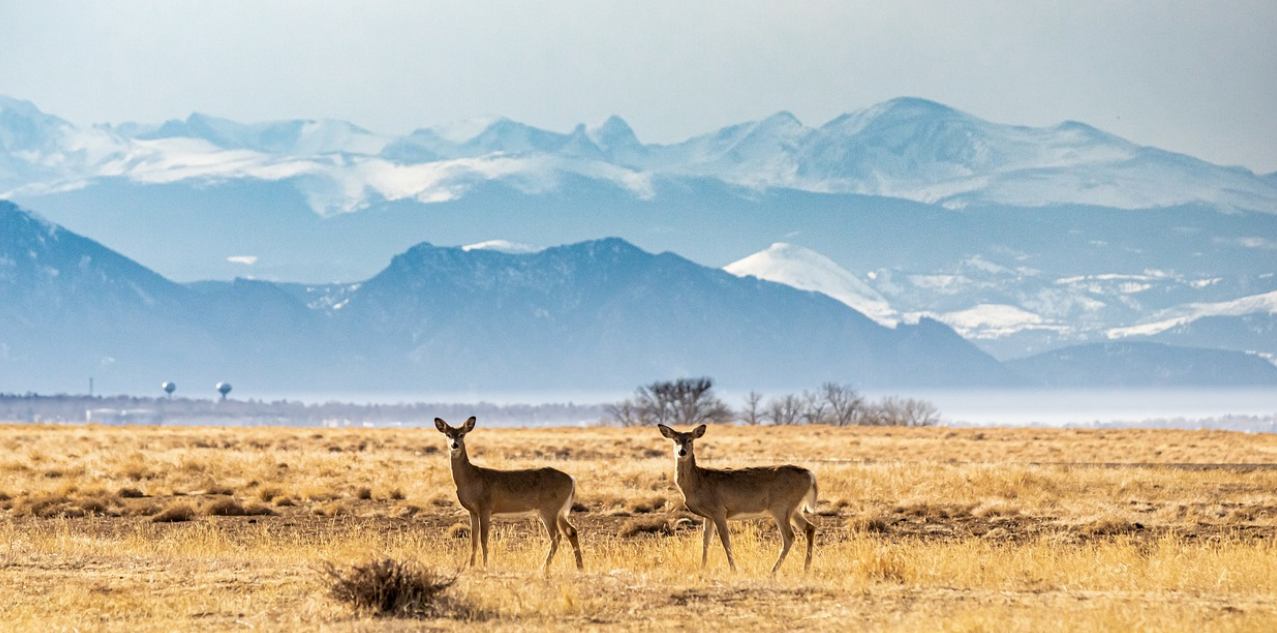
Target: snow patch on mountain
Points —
{"points": [[1265, 303], [502, 246], [991, 321], [808, 270]]}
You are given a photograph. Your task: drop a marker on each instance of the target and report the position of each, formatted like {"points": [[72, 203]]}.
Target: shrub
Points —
{"points": [[873, 524], [175, 513], [391, 588], [223, 508], [646, 505], [458, 531], [644, 527], [92, 506], [130, 493]]}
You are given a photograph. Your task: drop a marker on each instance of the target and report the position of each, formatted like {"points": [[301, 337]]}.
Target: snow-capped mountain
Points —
{"points": [[806, 269], [905, 148]]}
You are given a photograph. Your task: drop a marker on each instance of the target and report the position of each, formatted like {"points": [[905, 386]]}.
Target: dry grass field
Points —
{"points": [[160, 529]]}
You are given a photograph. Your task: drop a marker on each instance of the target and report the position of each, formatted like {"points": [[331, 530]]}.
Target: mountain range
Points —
{"points": [[1021, 239], [601, 314], [903, 148]]}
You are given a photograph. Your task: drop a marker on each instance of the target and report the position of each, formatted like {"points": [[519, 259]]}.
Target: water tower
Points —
{"points": [[223, 388], [169, 387]]}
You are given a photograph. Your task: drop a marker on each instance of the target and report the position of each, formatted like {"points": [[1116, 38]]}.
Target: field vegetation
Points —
{"points": [[935, 529]]}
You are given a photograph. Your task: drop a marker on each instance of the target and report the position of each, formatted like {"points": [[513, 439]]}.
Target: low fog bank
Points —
{"points": [[1250, 410]]}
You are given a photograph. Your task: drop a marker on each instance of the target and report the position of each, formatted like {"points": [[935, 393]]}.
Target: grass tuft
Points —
{"points": [[391, 588], [645, 526]]}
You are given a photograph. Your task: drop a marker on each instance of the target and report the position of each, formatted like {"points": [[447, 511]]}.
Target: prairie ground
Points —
{"points": [[143, 528]]}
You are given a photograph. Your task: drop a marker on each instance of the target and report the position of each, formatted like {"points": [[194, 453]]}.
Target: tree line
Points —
{"points": [[689, 401]]}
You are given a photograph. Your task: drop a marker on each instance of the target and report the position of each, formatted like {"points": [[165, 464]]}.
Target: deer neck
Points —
{"points": [[462, 469], [685, 471]]}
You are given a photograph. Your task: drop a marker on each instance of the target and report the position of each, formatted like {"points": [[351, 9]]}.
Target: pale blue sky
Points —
{"points": [[1193, 77]]}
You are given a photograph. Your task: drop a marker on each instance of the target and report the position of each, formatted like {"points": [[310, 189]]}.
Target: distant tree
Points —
{"points": [[845, 405], [624, 413], [752, 413], [686, 401], [814, 406], [785, 410], [896, 411]]}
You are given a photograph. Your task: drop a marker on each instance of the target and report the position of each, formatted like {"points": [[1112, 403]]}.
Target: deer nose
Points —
{"points": [[682, 452]]}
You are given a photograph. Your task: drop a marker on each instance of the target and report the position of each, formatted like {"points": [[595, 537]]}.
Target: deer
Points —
{"points": [[483, 492], [719, 495]]}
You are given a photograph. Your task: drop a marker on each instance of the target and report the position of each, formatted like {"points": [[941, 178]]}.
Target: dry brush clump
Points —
{"points": [[233, 508], [394, 588], [175, 513]]}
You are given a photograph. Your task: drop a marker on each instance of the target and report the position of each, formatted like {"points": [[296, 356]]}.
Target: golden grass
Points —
{"points": [[920, 529]]}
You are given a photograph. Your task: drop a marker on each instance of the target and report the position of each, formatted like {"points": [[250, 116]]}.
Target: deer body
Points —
{"points": [[717, 495], [484, 492]]}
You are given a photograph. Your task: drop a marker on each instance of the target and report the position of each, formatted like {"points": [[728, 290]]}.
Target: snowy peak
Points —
{"points": [[806, 269], [614, 133], [24, 127]]}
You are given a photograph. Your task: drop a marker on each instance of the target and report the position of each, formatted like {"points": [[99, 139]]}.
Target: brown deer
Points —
{"points": [[485, 491], [780, 492]]}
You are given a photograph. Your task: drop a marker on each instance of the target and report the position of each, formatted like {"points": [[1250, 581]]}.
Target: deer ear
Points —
{"points": [[698, 431], [666, 431], [441, 425], [469, 425]]}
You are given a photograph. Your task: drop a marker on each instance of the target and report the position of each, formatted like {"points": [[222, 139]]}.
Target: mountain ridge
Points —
{"points": [[906, 147], [595, 314]]}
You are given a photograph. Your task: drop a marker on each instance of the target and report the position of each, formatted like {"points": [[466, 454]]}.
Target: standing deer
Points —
{"points": [[745, 493], [485, 491]]}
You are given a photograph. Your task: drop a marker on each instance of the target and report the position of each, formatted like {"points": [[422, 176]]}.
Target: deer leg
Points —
{"points": [[551, 530], [485, 523], [809, 529], [474, 536], [708, 533], [720, 522], [787, 538], [569, 531]]}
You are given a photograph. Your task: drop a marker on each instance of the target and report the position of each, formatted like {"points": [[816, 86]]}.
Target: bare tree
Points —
{"points": [[686, 401], [813, 408], [785, 410], [624, 413], [844, 403], [896, 411], [752, 413], [913, 412]]}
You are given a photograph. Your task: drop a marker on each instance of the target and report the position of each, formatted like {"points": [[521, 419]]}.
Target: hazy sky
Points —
{"points": [[1200, 78]]}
